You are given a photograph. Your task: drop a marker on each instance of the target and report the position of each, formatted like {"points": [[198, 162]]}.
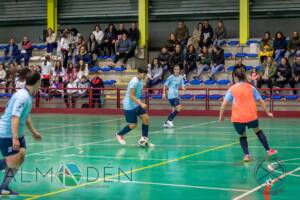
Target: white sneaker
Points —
{"points": [[144, 142], [170, 123], [121, 139], [166, 125]]}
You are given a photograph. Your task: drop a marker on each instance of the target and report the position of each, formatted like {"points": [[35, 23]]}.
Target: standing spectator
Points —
{"points": [[283, 73], [122, 49], [155, 73], [295, 74], [176, 58], [99, 35], [83, 70], [65, 48], [266, 47], [253, 76], [172, 42], [11, 51], [51, 41], [134, 36], [164, 60], [109, 40], [121, 31], [208, 33], [293, 45], [182, 34], [280, 46], [83, 55], [197, 36], [96, 85], [268, 74], [26, 51], [218, 61], [205, 61], [2, 74], [92, 47], [220, 34], [190, 60], [239, 66], [57, 71], [46, 72]]}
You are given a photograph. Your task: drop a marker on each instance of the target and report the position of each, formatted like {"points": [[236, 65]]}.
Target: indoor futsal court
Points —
{"points": [[198, 159]]}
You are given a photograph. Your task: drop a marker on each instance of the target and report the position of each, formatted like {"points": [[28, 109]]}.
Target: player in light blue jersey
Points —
{"points": [[12, 124], [134, 108], [173, 83]]}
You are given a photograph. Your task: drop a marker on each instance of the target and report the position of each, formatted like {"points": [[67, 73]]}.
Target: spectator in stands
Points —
{"points": [[218, 61], [11, 51], [26, 51], [46, 72], [238, 66], [99, 35], [182, 34], [220, 34], [295, 74], [96, 85], [109, 40], [293, 45], [2, 74], [57, 87], [208, 33], [177, 58], [83, 70], [123, 49], [253, 76], [80, 43], [268, 74], [70, 92], [65, 48], [164, 59], [74, 37], [83, 86], [134, 36], [190, 61], [122, 30], [93, 49], [155, 73], [197, 37], [20, 81], [283, 73], [205, 61], [266, 47], [11, 77], [280, 46], [172, 42], [83, 55], [70, 72], [51, 41], [57, 71]]}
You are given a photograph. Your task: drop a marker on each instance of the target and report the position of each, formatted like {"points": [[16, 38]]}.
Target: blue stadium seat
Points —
{"points": [[200, 97], [263, 97], [258, 68], [240, 55], [248, 68], [252, 55], [276, 97], [109, 82], [292, 97], [94, 69], [233, 43], [230, 68], [209, 82], [223, 82], [2, 47], [215, 97], [35, 46], [41, 47], [105, 69], [186, 96], [252, 42], [228, 55], [196, 82], [157, 96], [119, 69]]}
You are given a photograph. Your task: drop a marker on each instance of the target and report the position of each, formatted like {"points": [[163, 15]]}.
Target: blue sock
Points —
{"points": [[3, 164], [244, 144], [172, 115], [124, 131], [145, 129], [262, 138]]}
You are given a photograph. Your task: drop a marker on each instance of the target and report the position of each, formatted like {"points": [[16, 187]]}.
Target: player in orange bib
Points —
{"points": [[244, 112]]}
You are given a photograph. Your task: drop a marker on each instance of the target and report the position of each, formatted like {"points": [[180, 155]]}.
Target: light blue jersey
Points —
{"points": [[20, 106], [173, 83], [136, 84]]}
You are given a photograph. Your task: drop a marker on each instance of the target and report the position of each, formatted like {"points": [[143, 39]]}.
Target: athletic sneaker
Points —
{"points": [[246, 158], [272, 152], [7, 191], [168, 124], [120, 139], [144, 142]]}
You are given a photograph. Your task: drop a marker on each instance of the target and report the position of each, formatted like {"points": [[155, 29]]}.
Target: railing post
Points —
{"points": [[37, 100], [90, 97], [207, 99], [118, 98]]}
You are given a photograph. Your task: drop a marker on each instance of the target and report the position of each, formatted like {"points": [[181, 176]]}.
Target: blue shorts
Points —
{"points": [[174, 102], [131, 115], [241, 127], [6, 146]]}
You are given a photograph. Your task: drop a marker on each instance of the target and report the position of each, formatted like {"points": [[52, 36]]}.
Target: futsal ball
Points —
{"points": [[143, 141]]}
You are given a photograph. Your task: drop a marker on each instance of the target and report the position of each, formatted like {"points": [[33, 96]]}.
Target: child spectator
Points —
{"points": [[96, 85], [70, 92], [3, 74], [58, 71], [123, 49], [57, 87], [83, 70], [253, 76], [46, 72], [208, 33], [164, 60], [11, 51], [190, 60], [182, 34], [280, 46], [197, 36], [266, 47], [220, 34], [295, 74], [20, 78], [99, 35], [70, 72], [83, 86], [11, 77], [51, 41], [293, 45], [155, 73], [218, 61], [171, 43], [83, 55]]}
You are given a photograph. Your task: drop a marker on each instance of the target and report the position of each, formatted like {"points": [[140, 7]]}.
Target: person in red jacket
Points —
{"points": [[96, 84], [26, 51]]}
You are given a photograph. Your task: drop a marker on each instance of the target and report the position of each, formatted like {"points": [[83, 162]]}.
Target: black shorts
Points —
{"points": [[131, 116], [241, 127], [6, 146]]}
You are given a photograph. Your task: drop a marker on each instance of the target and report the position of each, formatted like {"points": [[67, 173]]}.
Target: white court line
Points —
{"points": [[264, 184], [292, 159], [116, 157]]}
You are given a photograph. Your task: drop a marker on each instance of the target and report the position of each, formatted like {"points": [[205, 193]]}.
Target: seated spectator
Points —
{"points": [[205, 61], [177, 58], [80, 43], [266, 47], [57, 71], [218, 61], [197, 37], [283, 73], [238, 66], [26, 51], [109, 40], [220, 34], [83, 70], [295, 74], [11, 77], [2, 74], [92, 47], [83, 86], [51, 41], [96, 85], [155, 73], [171, 43], [253, 76], [20, 81], [46, 72], [134, 36], [280, 46], [164, 59], [122, 30], [268, 74], [57, 87], [70, 92], [293, 45], [99, 35], [64, 44], [83, 55], [70, 72], [182, 34], [190, 60], [74, 37], [11, 51], [123, 49], [208, 33]]}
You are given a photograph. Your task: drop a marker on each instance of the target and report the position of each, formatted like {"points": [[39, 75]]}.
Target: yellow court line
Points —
{"points": [[137, 170]]}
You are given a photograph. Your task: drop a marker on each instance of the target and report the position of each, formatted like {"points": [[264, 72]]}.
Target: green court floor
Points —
{"points": [[199, 158]]}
